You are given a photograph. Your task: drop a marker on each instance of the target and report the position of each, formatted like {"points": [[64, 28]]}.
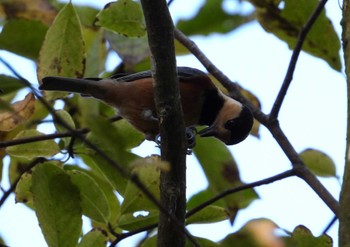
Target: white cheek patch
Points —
{"points": [[230, 110]]}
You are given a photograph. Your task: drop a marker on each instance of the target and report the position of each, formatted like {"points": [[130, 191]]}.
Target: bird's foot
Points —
{"points": [[191, 133]]}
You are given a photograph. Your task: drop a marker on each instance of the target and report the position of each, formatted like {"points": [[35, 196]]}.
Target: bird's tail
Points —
{"points": [[87, 87]]}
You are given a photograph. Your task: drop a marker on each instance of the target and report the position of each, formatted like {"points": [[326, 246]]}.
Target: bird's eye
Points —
{"points": [[230, 124]]}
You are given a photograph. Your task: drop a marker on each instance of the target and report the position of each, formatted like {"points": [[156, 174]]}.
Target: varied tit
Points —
{"points": [[132, 94]]}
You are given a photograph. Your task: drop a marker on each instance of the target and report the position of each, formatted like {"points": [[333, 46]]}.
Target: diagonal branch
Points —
{"points": [[14, 142], [293, 61], [269, 180], [271, 124]]}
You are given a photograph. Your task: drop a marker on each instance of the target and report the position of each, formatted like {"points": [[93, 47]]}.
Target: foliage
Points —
{"points": [[72, 41]]}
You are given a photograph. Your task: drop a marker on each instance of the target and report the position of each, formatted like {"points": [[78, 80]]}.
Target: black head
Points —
{"points": [[240, 126], [232, 124]]}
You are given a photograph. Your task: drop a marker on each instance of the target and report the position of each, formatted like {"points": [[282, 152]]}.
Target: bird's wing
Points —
{"points": [[183, 74]]}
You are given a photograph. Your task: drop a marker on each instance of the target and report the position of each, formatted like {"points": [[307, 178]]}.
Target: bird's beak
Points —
{"points": [[210, 131]]}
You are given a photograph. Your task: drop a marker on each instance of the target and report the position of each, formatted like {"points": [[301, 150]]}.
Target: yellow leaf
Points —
{"points": [[20, 112], [40, 10]]}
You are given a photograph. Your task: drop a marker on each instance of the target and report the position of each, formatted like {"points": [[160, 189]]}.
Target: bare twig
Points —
{"points": [[330, 224], [121, 236], [269, 180], [293, 61], [40, 138], [49, 136]]}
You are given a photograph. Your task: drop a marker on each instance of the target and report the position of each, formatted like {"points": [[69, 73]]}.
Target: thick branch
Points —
{"points": [[172, 129], [344, 217]]}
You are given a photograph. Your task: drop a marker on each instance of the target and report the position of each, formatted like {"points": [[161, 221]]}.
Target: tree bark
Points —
{"points": [[160, 31], [344, 216]]}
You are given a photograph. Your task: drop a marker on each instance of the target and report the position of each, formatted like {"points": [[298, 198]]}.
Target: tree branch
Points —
{"points": [[160, 32], [344, 216], [293, 61], [269, 180], [271, 124], [9, 143]]}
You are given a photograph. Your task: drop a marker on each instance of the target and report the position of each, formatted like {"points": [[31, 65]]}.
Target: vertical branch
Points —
{"points": [[160, 31], [344, 217]]}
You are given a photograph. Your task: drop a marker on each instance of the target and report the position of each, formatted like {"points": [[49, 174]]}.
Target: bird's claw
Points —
{"points": [[191, 133]]}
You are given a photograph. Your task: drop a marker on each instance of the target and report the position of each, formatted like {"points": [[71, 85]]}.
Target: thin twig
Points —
{"points": [[122, 236], [293, 61], [269, 180], [330, 224], [14, 142], [40, 138]]}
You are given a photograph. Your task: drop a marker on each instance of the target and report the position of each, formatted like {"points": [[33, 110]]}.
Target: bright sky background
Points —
{"points": [[312, 116]]}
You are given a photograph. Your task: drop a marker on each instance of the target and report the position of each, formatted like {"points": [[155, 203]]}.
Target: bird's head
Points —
{"points": [[232, 124]]}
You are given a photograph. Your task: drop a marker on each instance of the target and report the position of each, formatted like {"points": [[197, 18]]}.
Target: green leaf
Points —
{"points": [[23, 193], [124, 17], [131, 50], [68, 120], [87, 14], [318, 162], [222, 172], [147, 170], [96, 50], [23, 37], [57, 205], [9, 84], [17, 167], [63, 50], [322, 41], [116, 144], [93, 200], [107, 189], [31, 150], [201, 197], [212, 18], [209, 214], [302, 237], [136, 220], [94, 238]]}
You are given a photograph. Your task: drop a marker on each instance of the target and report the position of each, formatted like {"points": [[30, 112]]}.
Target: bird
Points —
{"points": [[132, 95]]}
